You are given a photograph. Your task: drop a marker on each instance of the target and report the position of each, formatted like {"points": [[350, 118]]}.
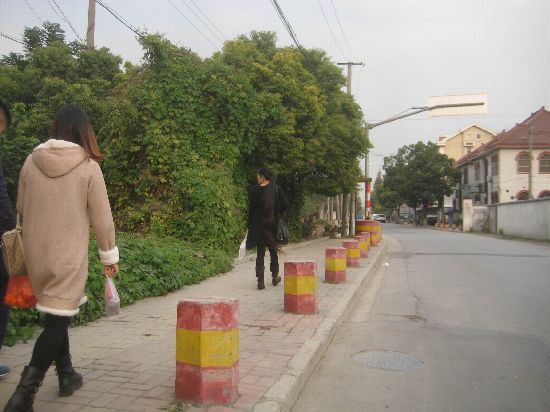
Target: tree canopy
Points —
{"points": [[184, 135], [417, 175]]}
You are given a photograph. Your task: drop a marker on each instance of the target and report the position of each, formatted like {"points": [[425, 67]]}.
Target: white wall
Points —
{"points": [[527, 218]]}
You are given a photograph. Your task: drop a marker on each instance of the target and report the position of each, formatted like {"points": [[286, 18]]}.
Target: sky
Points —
{"points": [[411, 49]]}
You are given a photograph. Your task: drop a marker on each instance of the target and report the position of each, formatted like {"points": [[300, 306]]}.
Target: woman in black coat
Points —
{"points": [[266, 201]]}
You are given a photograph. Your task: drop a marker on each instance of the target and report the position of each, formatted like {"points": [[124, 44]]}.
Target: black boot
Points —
{"points": [[69, 379], [261, 284], [23, 397], [275, 279]]}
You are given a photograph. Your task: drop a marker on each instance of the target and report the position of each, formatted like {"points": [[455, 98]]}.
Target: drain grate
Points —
{"points": [[387, 360]]}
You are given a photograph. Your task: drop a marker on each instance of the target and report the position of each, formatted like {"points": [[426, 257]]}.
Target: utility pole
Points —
{"points": [[530, 179], [91, 25], [353, 195]]}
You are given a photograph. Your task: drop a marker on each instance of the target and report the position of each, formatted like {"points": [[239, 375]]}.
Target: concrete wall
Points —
{"points": [[528, 218]]}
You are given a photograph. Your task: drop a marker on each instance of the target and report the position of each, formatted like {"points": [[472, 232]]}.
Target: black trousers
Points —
{"points": [[260, 260], [4, 310], [53, 344]]}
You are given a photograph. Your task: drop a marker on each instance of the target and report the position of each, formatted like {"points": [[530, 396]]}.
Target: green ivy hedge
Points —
{"points": [[149, 266]]}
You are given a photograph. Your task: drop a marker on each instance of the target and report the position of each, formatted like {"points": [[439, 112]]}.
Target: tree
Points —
{"points": [[418, 175]]}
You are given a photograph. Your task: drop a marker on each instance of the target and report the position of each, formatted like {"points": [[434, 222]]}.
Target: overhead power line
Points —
{"points": [[119, 18], [67, 20], [34, 12], [287, 25], [342, 30], [7, 36], [202, 21], [210, 21], [330, 30], [192, 24]]}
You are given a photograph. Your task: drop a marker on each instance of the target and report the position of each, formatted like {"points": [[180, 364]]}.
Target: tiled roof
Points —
{"points": [[517, 137]]}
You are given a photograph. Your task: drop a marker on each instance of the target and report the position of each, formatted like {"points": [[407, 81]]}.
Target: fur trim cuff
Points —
{"points": [[57, 312], [110, 257]]}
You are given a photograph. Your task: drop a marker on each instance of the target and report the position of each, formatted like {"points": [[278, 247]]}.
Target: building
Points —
{"points": [[464, 141], [501, 171]]}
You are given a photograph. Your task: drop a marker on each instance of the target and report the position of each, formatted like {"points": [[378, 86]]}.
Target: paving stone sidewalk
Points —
{"points": [[128, 361]]}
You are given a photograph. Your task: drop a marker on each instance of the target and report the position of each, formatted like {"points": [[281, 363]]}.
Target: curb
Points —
{"points": [[282, 396]]}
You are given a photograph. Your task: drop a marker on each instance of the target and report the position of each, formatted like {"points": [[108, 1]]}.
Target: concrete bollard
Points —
{"points": [[300, 287], [363, 245], [207, 351], [373, 227], [353, 253], [367, 235], [335, 265]]}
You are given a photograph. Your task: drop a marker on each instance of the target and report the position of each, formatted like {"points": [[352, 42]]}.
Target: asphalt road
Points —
{"points": [[456, 322]]}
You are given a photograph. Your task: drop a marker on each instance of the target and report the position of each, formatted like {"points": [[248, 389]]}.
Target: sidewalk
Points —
{"points": [[128, 361]]}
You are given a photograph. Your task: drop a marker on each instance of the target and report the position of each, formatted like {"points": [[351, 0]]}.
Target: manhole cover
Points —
{"points": [[392, 361]]}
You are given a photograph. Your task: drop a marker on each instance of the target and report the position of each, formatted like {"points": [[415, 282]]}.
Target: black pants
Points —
{"points": [[260, 258], [53, 344], [4, 310]]}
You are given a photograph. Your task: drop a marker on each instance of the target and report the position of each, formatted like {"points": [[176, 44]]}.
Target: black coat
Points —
{"points": [[7, 222], [7, 216], [263, 214]]}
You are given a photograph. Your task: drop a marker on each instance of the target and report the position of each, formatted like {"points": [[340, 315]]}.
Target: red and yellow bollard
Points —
{"points": [[300, 287], [373, 227], [207, 350], [353, 253], [335, 265], [363, 244]]}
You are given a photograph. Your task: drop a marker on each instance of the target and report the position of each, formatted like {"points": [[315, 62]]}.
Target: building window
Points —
{"points": [[544, 193], [465, 175], [468, 149], [544, 162], [522, 160], [478, 136], [494, 165], [477, 169], [494, 197], [522, 195]]}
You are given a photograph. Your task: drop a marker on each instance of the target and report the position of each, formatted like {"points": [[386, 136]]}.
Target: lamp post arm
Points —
{"points": [[420, 110]]}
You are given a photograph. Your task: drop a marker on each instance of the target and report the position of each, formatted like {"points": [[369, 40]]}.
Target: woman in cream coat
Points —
{"points": [[61, 193]]}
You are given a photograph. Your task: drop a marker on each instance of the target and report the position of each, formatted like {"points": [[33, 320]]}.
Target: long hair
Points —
{"points": [[71, 123]]}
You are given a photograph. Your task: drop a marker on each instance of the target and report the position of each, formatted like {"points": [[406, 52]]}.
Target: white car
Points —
{"points": [[379, 217]]}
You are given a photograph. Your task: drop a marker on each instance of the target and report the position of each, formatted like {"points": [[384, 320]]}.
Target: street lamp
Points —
{"points": [[441, 106]]}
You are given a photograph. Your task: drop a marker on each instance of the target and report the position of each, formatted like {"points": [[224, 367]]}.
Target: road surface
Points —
{"points": [[456, 322]]}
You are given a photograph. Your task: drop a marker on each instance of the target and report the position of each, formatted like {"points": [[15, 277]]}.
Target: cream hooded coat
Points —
{"points": [[61, 193]]}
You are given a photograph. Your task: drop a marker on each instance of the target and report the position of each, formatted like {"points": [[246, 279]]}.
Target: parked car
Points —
{"points": [[379, 217], [431, 220]]}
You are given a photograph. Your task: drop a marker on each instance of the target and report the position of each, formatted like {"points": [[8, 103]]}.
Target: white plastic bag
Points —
{"points": [[112, 300], [242, 248]]}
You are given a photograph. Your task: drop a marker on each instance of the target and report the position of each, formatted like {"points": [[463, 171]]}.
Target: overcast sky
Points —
{"points": [[412, 49]]}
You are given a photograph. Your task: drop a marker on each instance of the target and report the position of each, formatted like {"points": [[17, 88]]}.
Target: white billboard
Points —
{"points": [[458, 105]]}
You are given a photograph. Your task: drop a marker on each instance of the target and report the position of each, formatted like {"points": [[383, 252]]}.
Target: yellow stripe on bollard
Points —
{"points": [[335, 264], [300, 285], [207, 348], [354, 253]]}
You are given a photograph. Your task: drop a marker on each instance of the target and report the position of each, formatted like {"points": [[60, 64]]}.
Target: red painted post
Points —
{"points": [[300, 287], [363, 245], [353, 253], [207, 351], [335, 265]]}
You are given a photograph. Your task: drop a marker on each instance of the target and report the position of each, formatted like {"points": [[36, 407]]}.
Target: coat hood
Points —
{"points": [[56, 158]]}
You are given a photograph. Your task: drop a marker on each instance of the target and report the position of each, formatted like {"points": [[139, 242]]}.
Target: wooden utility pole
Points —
{"points": [[349, 198], [91, 25]]}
